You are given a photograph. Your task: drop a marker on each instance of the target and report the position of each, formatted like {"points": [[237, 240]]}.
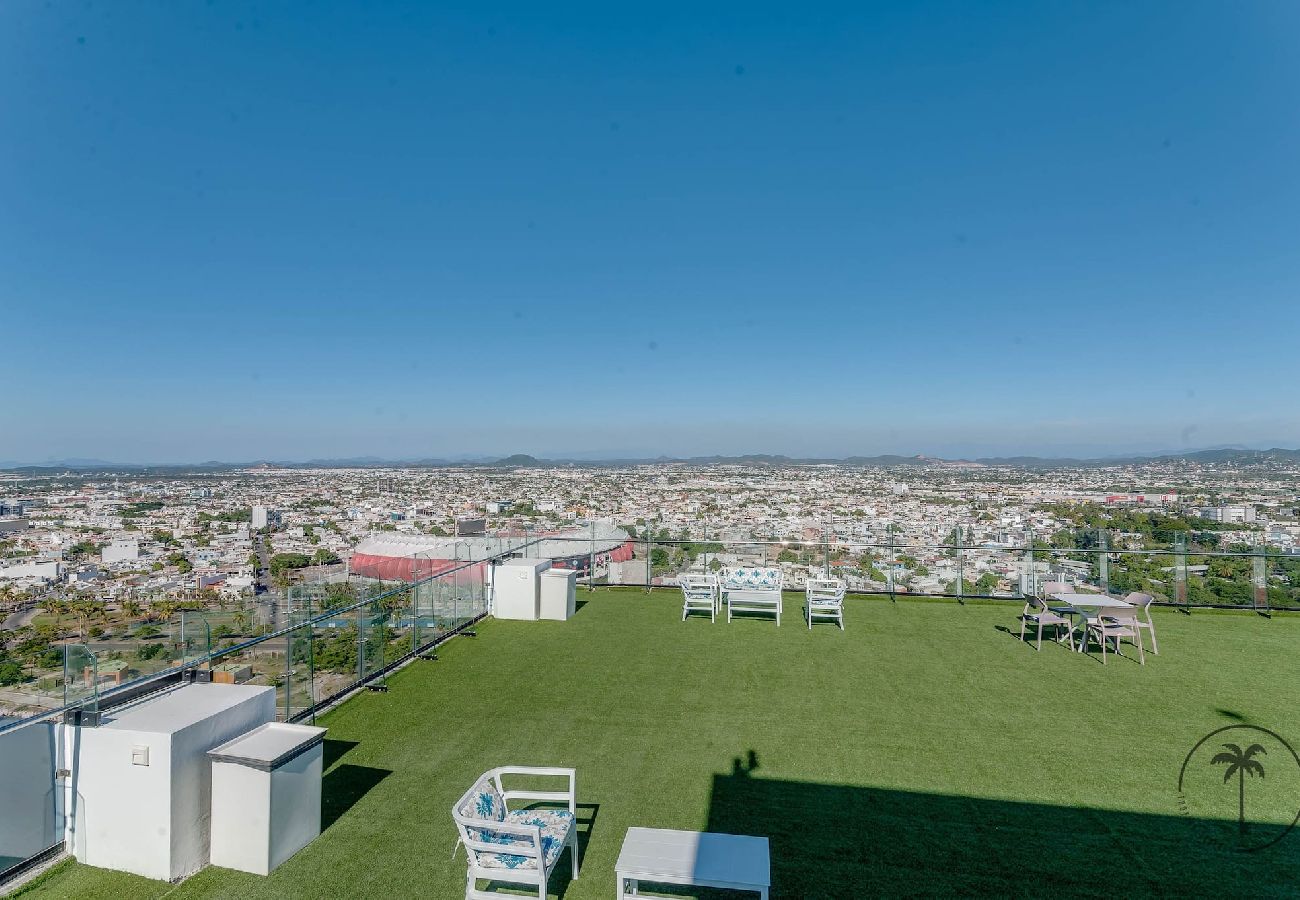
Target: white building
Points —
{"points": [[1239, 514], [36, 569], [120, 550], [262, 517]]}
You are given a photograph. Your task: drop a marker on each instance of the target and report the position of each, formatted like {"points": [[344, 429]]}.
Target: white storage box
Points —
{"points": [[515, 588], [559, 594], [266, 796], [143, 777]]}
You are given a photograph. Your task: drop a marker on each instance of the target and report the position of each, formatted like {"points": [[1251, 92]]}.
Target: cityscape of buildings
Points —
{"points": [[105, 536]]}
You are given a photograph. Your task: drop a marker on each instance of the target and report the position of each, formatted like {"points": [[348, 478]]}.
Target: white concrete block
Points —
{"points": [[266, 788], [153, 819]]}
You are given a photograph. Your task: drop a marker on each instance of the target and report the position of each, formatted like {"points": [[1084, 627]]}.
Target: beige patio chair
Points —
{"points": [[1113, 624], [1057, 587], [1037, 614], [1142, 602]]}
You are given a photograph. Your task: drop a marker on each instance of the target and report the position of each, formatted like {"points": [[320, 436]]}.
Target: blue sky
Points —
{"points": [[241, 231]]}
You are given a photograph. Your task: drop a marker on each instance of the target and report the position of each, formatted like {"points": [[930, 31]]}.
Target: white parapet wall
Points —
{"points": [[139, 798]]}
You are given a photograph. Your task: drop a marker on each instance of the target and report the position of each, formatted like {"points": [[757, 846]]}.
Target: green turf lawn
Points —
{"points": [[924, 750]]}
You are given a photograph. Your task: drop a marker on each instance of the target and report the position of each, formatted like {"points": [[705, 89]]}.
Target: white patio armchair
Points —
{"points": [[755, 590], [519, 847], [825, 600], [699, 594]]}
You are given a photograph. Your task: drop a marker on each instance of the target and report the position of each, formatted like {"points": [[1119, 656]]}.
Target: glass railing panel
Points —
{"points": [[335, 645], [259, 662], [299, 688], [195, 638], [373, 634], [80, 677], [28, 822], [429, 619]]}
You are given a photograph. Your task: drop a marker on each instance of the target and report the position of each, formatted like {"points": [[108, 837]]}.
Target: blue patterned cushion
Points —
{"points": [[752, 579], [484, 802], [555, 825]]}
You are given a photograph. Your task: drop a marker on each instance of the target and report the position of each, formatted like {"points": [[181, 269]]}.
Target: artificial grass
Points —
{"points": [[922, 751]]}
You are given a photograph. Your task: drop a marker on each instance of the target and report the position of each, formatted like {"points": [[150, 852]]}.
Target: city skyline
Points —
{"points": [[235, 232]]}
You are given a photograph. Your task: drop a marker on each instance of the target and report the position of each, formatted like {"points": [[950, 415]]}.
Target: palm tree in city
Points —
{"points": [[55, 606], [1240, 763]]}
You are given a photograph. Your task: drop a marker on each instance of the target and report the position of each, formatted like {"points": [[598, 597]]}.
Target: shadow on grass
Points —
{"points": [[829, 840], [343, 786], [334, 749]]}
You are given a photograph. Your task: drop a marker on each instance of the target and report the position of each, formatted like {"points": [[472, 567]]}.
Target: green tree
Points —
{"points": [[11, 672], [283, 562]]}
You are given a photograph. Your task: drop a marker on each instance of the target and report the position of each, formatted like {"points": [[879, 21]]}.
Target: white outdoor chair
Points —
{"points": [[699, 594], [1113, 624], [517, 847], [1036, 613], [752, 590], [1142, 602], [824, 599]]}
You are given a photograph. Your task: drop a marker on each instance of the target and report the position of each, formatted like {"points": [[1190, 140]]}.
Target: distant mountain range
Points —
{"points": [[1215, 456]]}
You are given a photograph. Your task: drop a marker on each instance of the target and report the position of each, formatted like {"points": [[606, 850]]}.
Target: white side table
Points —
{"points": [[699, 859]]}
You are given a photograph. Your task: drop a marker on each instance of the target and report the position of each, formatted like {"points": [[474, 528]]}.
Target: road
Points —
{"points": [[21, 618], [270, 608]]}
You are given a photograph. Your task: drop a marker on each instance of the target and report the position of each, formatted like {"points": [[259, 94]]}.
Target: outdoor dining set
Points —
{"points": [[1098, 618], [758, 590]]}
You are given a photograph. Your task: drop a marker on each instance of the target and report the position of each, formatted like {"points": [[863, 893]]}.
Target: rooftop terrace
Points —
{"points": [[922, 750]]}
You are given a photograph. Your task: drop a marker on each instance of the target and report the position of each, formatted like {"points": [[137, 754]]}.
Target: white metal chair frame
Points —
{"points": [[824, 598], [534, 872], [742, 597], [699, 594]]}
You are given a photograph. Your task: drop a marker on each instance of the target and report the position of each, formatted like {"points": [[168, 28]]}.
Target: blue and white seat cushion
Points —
{"points": [[555, 825]]}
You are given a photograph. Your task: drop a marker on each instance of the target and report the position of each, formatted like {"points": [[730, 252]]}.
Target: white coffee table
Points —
{"points": [[700, 859]]}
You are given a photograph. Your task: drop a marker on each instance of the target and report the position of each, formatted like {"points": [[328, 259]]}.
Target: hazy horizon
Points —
{"points": [[614, 455]]}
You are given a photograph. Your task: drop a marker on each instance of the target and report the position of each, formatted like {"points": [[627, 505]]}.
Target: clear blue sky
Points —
{"points": [[239, 231]]}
